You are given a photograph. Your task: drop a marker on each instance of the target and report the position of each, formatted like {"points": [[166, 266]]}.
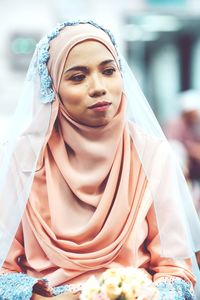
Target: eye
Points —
{"points": [[109, 71], [77, 78]]}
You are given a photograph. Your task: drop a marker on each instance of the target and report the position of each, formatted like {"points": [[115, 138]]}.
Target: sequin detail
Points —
{"points": [[60, 290], [16, 286], [19, 286], [174, 288], [72, 288], [42, 49]]}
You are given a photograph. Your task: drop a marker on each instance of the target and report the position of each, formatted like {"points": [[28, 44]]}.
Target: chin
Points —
{"points": [[99, 123], [98, 120]]}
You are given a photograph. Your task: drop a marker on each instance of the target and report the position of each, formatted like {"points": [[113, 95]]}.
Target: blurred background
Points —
{"points": [[160, 39]]}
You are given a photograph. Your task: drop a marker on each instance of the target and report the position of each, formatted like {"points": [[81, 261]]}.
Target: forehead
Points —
{"points": [[88, 51]]}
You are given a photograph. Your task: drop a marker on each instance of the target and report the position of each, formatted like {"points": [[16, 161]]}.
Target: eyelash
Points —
{"points": [[77, 78], [81, 77], [109, 71]]}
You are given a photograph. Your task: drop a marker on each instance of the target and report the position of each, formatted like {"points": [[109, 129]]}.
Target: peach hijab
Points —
{"points": [[86, 193]]}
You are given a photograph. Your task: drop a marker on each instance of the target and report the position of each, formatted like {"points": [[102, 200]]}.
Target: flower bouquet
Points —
{"points": [[120, 284]]}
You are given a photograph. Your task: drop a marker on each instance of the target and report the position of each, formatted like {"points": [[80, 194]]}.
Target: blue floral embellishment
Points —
{"points": [[20, 286], [16, 286], [60, 289], [46, 91], [174, 288]]}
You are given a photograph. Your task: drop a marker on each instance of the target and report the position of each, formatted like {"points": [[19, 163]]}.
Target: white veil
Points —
{"points": [[19, 155], [178, 223], [166, 181]]}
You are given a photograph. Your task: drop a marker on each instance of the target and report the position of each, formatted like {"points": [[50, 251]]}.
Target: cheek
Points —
{"points": [[70, 96], [117, 87]]}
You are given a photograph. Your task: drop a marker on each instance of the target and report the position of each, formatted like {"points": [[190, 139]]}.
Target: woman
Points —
{"points": [[102, 190]]}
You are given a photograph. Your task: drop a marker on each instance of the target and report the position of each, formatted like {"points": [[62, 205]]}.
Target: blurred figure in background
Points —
{"points": [[185, 130], [184, 136]]}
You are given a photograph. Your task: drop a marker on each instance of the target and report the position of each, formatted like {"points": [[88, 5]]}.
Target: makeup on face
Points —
{"points": [[91, 89]]}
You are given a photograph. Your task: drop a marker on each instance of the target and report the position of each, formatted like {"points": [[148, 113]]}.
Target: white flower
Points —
{"points": [[128, 283], [111, 287], [90, 289], [114, 273]]}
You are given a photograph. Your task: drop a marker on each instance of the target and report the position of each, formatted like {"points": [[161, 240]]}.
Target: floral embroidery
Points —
{"points": [[16, 286], [174, 288], [60, 290], [19, 286]]}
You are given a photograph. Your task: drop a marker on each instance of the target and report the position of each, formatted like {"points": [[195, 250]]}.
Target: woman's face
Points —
{"points": [[91, 84]]}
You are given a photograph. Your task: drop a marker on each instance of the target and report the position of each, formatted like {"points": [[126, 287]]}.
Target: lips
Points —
{"points": [[100, 104]]}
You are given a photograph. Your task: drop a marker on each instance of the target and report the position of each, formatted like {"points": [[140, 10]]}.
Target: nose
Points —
{"points": [[96, 88]]}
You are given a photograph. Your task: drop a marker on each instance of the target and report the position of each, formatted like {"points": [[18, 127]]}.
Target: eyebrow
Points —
{"points": [[85, 69]]}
